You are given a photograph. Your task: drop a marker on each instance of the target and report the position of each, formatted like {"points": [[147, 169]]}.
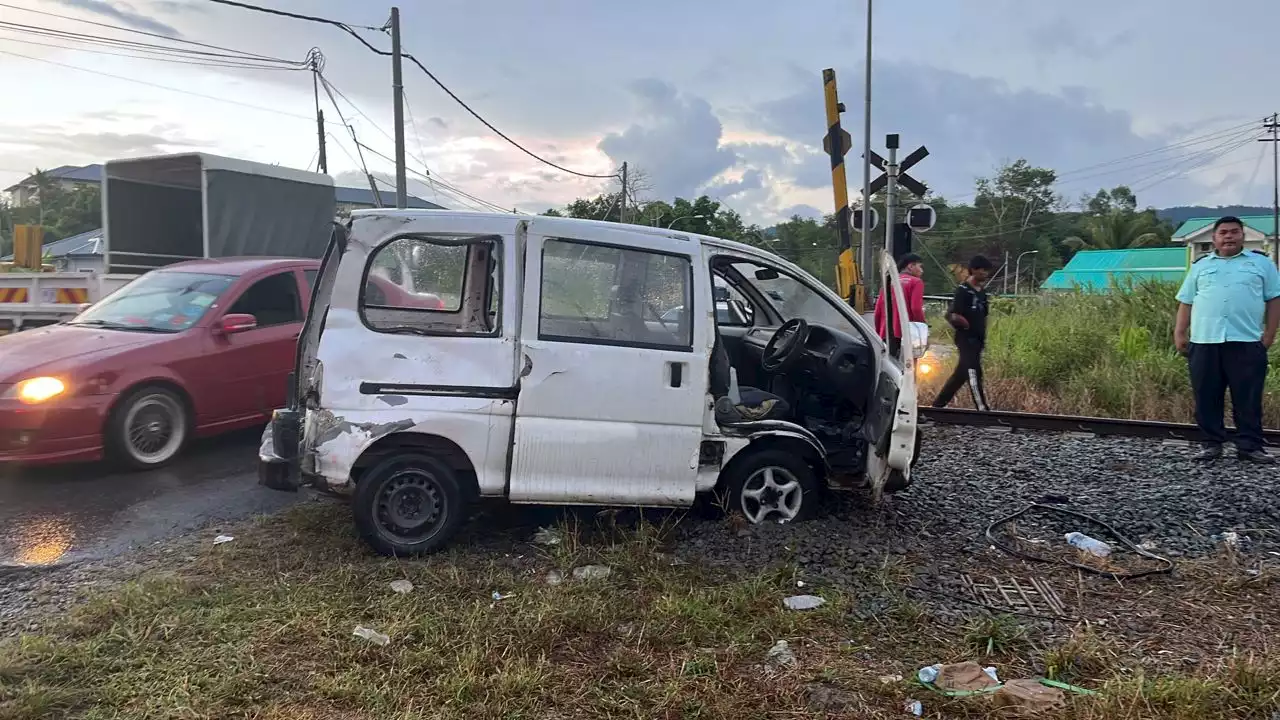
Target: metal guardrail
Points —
{"points": [[1075, 423]]}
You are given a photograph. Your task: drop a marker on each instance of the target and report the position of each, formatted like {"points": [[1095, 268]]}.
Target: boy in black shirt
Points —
{"points": [[968, 315]]}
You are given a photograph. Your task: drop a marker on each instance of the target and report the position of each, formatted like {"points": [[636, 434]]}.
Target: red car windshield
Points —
{"points": [[157, 302]]}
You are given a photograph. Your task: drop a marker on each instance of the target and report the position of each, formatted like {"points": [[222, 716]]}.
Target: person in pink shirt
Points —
{"points": [[911, 269]]}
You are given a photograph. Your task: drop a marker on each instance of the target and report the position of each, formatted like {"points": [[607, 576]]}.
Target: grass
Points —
{"points": [[1090, 354], [261, 627]]}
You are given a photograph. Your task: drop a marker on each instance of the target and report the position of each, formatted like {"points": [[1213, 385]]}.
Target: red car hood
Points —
{"points": [[62, 347]]}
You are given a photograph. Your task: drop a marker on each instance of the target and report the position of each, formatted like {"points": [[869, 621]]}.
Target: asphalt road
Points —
{"points": [[65, 514]]}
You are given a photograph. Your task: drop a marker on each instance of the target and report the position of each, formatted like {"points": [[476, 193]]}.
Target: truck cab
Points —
{"points": [[580, 362]]}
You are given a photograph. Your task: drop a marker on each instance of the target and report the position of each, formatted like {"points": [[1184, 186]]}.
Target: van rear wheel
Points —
{"points": [[409, 504], [772, 485]]}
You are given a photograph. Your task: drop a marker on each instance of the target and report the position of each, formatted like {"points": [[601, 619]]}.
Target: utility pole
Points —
{"points": [[867, 276], [1273, 126], [324, 159], [323, 164], [890, 189], [397, 85], [622, 199], [1005, 289]]}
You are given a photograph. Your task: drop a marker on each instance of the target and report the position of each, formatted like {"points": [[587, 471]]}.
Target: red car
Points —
{"points": [[192, 349]]}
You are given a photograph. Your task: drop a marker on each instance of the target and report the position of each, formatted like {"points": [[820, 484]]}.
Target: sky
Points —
{"points": [[702, 96]]}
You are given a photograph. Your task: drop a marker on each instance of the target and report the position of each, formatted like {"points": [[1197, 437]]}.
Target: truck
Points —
{"points": [[164, 209]]}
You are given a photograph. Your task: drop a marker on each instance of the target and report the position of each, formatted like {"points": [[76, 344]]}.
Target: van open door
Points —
{"points": [[894, 450]]}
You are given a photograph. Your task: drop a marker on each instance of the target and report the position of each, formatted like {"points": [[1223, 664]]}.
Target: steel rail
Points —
{"points": [[1074, 423]]}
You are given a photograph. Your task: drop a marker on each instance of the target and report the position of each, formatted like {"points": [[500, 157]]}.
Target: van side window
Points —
{"points": [[443, 284], [614, 296]]}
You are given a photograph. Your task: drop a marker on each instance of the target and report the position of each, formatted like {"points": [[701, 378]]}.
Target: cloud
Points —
{"points": [[54, 145], [752, 179], [1060, 37], [676, 140], [970, 125], [124, 14], [804, 211]]}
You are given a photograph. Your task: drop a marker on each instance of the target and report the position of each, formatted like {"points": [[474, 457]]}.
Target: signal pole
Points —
{"points": [[891, 143], [397, 86], [1272, 125], [865, 260], [836, 143]]}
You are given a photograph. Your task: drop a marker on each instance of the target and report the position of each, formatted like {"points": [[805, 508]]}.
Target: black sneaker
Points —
{"points": [[1256, 456], [1207, 453]]}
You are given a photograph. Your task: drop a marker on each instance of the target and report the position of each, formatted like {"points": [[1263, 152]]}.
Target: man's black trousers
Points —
{"points": [[1240, 367], [968, 371]]}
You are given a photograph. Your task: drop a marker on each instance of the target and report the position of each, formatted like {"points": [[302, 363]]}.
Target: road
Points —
{"points": [[59, 515]]}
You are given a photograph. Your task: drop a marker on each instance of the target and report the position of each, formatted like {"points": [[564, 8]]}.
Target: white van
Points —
{"points": [[556, 373]]}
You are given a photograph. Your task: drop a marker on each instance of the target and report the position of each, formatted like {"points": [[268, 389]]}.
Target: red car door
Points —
{"points": [[250, 368]]}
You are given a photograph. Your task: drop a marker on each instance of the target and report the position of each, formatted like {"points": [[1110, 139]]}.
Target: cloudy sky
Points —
{"points": [[715, 96]]}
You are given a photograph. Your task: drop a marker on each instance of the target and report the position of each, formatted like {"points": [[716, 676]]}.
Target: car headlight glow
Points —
{"points": [[926, 367], [34, 391]]}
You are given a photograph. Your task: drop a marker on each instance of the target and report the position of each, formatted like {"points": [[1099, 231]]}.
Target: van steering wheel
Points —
{"points": [[785, 346]]}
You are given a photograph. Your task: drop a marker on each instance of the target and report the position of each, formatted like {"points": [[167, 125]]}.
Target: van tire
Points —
{"points": [[409, 504], [751, 472]]}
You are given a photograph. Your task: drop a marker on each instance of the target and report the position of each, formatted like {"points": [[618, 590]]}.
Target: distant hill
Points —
{"points": [[1182, 213]]}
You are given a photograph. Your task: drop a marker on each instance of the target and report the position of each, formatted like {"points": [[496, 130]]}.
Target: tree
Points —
{"points": [[1118, 230]]}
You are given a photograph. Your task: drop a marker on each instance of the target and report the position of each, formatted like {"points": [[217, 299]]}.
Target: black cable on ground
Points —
{"points": [[1167, 563]]}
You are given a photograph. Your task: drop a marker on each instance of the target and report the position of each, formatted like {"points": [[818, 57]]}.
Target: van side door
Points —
{"points": [[613, 386]]}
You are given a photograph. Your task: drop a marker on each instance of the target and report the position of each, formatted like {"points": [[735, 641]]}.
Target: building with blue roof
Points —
{"points": [[1102, 271]]}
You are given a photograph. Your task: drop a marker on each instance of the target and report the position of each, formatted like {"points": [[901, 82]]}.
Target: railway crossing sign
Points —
{"points": [[904, 179], [921, 218], [857, 220], [846, 142]]}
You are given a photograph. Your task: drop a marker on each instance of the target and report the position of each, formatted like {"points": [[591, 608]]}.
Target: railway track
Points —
{"points": [[1072, 423]]}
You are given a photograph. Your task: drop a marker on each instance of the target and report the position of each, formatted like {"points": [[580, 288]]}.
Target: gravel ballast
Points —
{"points": [[966, 478]]}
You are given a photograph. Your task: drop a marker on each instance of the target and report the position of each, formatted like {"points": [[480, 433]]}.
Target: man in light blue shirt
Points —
{"points": [[1228, 312]]}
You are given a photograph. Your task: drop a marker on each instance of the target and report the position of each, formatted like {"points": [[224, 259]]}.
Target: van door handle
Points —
{"points": [[677, 373]]}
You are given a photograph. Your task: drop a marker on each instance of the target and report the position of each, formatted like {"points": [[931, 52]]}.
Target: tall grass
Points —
{"points": [[1101, 355]]}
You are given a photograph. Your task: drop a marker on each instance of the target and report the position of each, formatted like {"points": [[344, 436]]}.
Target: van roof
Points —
{"points": [[553, 221]]}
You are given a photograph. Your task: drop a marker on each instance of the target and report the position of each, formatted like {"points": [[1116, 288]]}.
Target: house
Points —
{"points": [[1100, 271], [78, 253], [1196, 234], [70, 176]]}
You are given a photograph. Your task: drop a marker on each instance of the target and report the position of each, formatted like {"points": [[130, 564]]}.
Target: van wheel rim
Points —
{"points": [[411, 506], [155, 427], [771, 493]]}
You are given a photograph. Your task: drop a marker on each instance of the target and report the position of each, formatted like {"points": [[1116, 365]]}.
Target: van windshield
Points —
{"points": [[160, 301], [794, 299]]}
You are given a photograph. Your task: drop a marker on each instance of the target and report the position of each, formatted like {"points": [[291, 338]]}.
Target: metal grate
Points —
{"points": [[1029, 595]]}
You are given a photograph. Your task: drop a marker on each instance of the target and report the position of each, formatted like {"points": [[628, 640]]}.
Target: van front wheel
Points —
{"points": [[409, 504], [772, 485]]}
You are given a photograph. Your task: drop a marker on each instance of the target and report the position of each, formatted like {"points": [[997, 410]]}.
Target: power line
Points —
{"points": [[119, 43], [175, 60], [122, 28], [158, 86], [423, 68], [498, 132]]}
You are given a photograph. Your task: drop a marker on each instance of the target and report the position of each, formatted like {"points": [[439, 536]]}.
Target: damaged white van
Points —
{"points": [[580, 362]]}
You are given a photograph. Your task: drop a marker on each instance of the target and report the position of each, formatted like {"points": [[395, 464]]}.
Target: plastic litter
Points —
{"points": [[497, 596], [554, 577], [592, 572], [1028, 699], [547, 536], [914, 707], [371, 635], [780, 655], [222, 539], [401, 586], [1094, 547], [803, 602]]}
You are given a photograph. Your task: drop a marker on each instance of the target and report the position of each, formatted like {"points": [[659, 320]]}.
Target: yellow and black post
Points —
{"points": [[837, 143]]}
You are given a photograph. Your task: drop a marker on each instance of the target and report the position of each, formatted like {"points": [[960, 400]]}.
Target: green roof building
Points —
{"points": [[1197, 234], [1101, 270]]}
